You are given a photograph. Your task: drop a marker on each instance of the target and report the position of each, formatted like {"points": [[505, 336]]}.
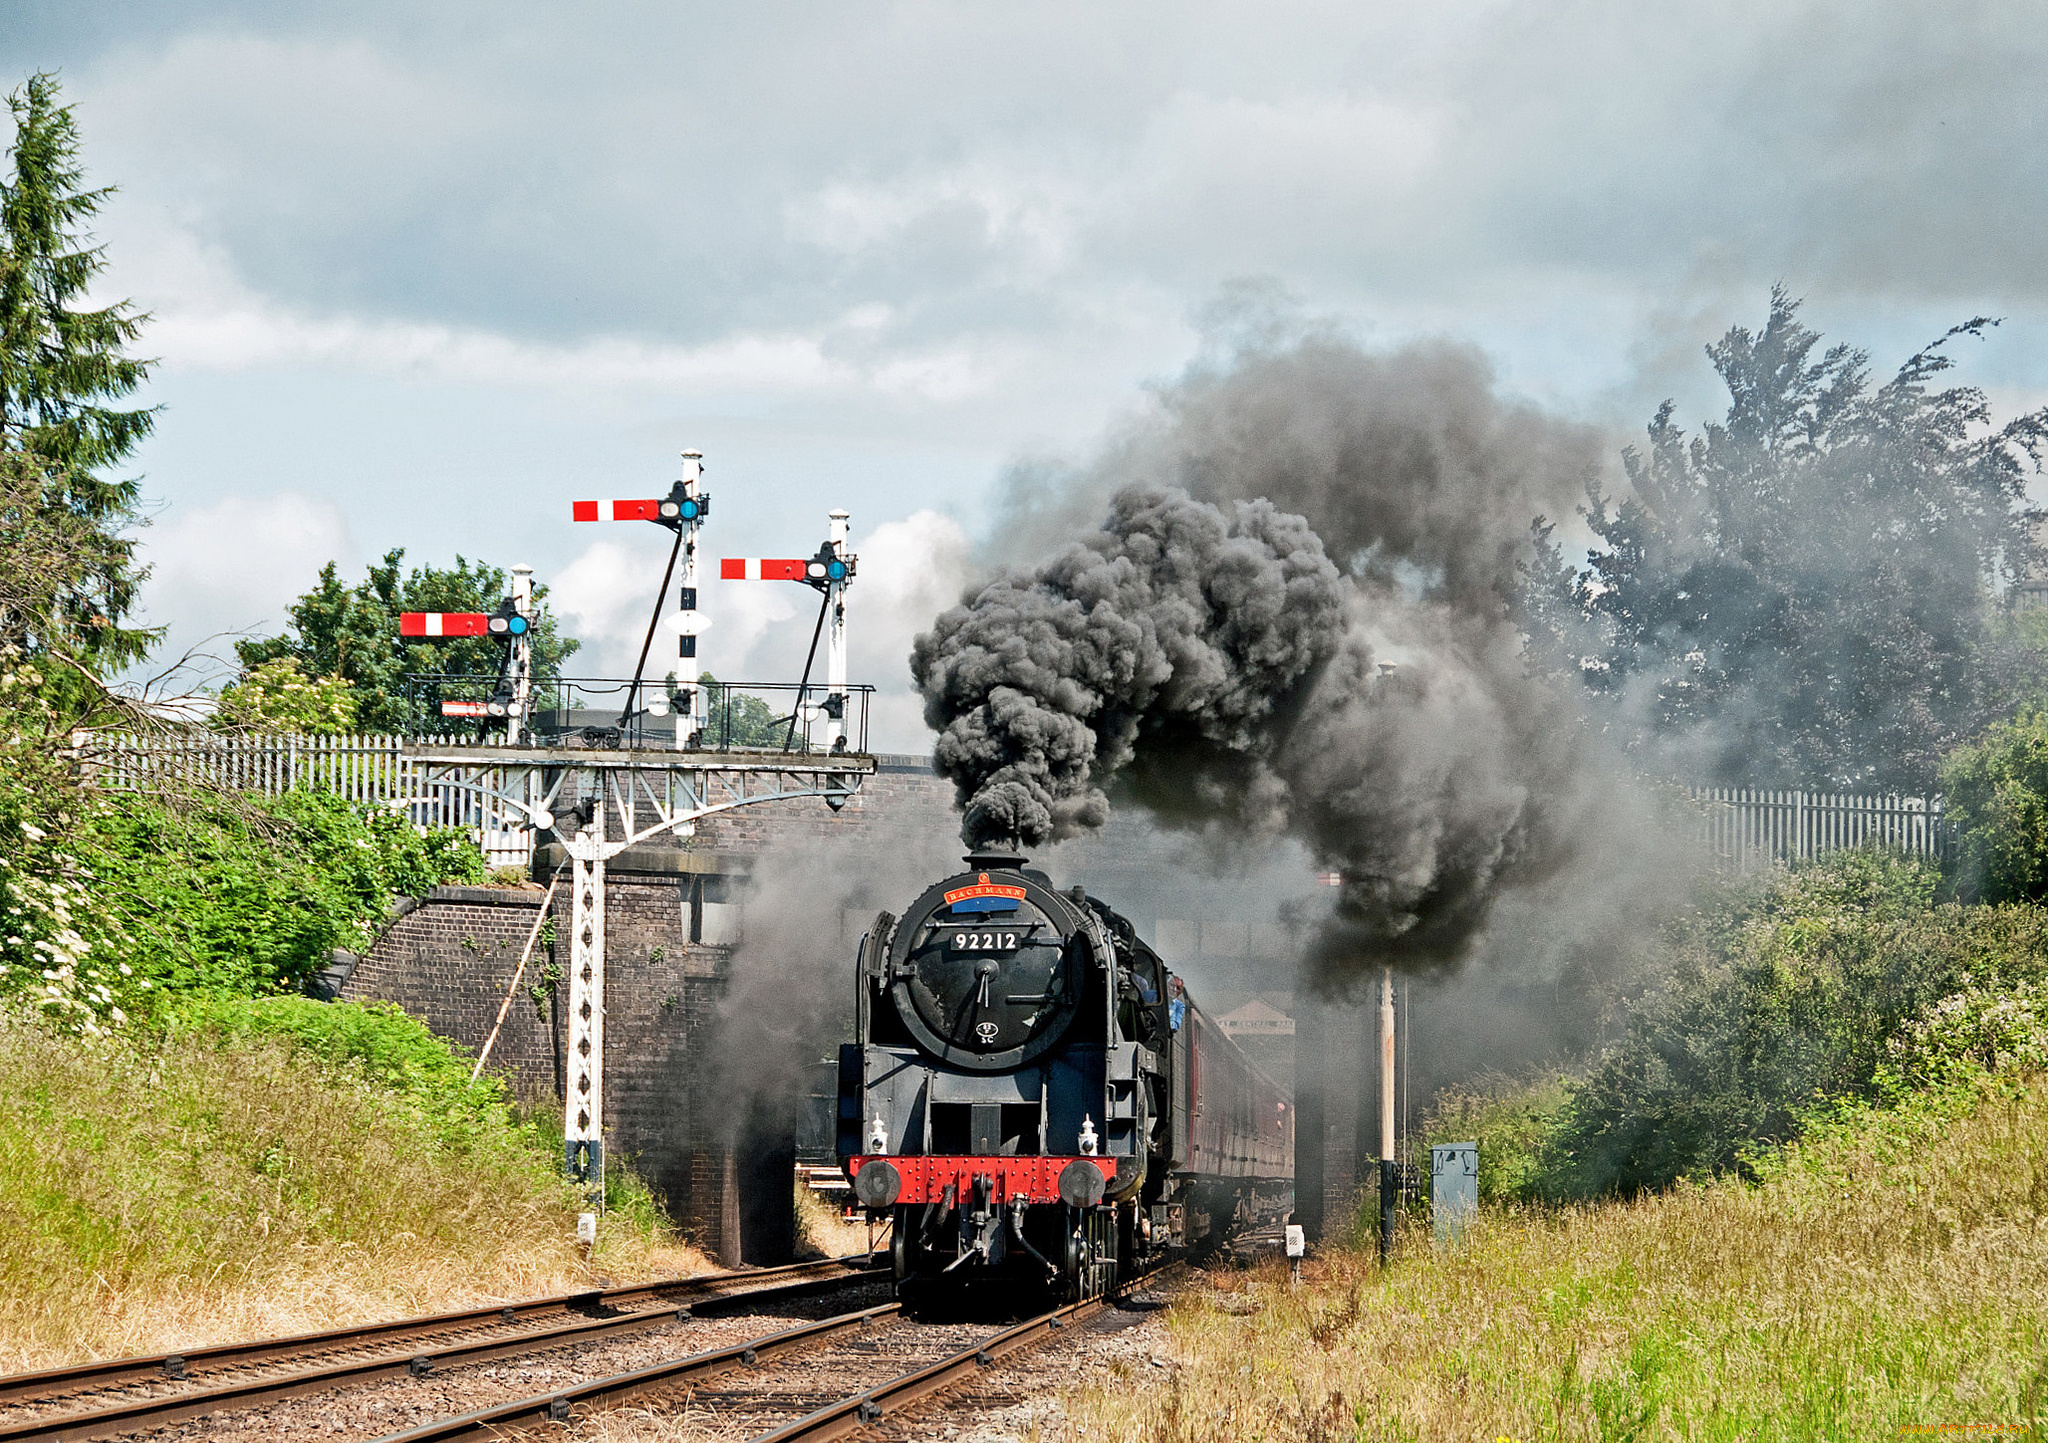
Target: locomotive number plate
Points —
{"points": [[985, 941]]}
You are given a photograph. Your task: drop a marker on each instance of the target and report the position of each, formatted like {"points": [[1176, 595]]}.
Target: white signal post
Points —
{"points": [[835, 639], [689, 695], [627, 802], [829, 572], [519, 668]]}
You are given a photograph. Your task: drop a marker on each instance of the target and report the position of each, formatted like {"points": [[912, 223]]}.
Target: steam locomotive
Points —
{"points": [[1035, 1101]]}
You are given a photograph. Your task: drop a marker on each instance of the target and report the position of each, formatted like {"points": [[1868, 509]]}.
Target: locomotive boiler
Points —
{"points": [[1034, 1100]]}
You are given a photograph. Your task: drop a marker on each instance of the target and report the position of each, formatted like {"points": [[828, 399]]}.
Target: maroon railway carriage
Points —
{"points": [[1034, 1099]]}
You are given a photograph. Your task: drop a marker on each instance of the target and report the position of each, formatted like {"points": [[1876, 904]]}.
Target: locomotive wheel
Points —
{"points": [[902, 1250]]}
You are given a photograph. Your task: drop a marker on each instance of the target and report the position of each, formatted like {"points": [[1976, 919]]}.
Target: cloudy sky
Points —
{"points": [[423, 274]]}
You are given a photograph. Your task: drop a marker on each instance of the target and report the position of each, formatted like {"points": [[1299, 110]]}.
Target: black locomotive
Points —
{"points": [[1035, 1100]]}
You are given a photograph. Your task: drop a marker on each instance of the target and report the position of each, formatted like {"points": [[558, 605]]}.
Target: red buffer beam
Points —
{"points": [[761, 568], [443, 623]]}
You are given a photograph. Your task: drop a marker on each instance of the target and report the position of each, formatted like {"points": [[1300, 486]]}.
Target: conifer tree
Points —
{"points": [[62, 365]]}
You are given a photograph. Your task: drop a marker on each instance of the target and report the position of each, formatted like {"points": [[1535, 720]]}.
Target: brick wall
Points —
{"points": [[1331, 1112], [450, 959], [902, 792]]}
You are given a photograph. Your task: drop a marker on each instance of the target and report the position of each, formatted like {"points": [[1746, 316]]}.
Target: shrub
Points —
{"points": [[223, 896], [277, 697], [1997, 796], [1785, 993], [1977, 1031], [1512, 1121], [374, 1043]]}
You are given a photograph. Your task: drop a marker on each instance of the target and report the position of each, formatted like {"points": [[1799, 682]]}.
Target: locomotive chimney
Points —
{"points": [[995, 860]]}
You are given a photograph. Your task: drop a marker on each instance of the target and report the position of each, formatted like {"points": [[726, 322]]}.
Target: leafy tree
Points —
{"points": [[737, 719], [1798, 595], [351, 632], [60, 367], [278, 697]]}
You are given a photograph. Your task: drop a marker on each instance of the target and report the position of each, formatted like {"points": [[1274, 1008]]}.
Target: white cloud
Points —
{"points": [[206, 319], [910, 571], [235, 564]]}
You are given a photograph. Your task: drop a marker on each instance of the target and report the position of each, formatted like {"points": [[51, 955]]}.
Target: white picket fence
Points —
{"points": [[1740, 826], [363, 768], [1744, 827]]}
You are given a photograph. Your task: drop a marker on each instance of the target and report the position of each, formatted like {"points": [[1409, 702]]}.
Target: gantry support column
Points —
{"points": [[583, 1094]]}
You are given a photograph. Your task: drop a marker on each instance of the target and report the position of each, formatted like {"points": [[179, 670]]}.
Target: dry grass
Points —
{"points": [[1893, 1275], [170, 1196], [821, 1230]]}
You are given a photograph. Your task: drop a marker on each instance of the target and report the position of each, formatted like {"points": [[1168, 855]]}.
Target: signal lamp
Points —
{"points": [[680, 506]]}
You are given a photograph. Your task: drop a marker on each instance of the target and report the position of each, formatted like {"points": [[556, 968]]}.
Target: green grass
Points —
{"points": [[270, 1167], [1890, 1271]]}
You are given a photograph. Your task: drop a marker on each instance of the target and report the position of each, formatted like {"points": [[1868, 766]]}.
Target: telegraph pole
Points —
{"points": [[1389, 1185]]}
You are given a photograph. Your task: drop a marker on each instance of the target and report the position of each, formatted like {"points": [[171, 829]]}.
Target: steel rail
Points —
{"points": [[854, 1411], [836, 1420], [559, 1406], [153, 1412]]}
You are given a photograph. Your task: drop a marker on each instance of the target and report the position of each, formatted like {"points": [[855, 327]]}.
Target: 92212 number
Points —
{"points": [[984, 941]]}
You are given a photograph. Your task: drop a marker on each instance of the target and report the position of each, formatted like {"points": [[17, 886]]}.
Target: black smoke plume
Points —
{"points": [[1202, 653], [1177, 629]]}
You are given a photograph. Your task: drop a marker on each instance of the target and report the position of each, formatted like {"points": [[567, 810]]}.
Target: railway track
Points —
{"points": [[736, 1385], [109, 1399]]}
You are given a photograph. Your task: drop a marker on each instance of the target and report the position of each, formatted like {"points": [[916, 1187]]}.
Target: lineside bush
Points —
{"points": [[1782, 994]]}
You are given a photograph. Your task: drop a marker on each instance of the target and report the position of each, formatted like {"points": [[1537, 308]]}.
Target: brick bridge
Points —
{"points": [[448, 959]]}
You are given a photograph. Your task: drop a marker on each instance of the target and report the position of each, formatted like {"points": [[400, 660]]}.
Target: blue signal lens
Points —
{"points": [[689, 511], [517, 625], [836, 570]]}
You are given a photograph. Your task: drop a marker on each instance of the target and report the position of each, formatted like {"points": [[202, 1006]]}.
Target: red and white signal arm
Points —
{"points": [[443, 623], [762, 568], [465, 708], [643, 510]]}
